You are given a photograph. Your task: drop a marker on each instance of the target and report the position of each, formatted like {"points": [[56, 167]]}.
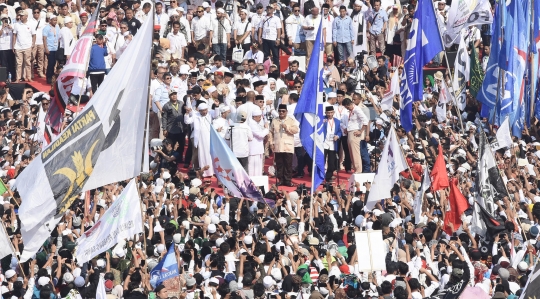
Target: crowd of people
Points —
{"points": [[240, 67]]}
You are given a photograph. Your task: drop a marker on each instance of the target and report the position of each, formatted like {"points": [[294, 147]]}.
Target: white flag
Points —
{"points": [[122, 220], [392, 163], [465, 13], [418, 199], [461, 75], [388, 97], [6, 248], [104, 144], [101, 292], [504, 139]]}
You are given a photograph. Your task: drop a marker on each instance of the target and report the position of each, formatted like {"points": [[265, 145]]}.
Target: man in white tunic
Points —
{"points": [[256, 145], [200, 137], [357, 15]]}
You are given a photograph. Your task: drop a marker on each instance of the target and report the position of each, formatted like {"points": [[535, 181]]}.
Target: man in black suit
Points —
{"points": [[295, 74]]}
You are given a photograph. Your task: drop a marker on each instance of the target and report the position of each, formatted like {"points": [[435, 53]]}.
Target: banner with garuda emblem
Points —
{"points": [[102, 145]]}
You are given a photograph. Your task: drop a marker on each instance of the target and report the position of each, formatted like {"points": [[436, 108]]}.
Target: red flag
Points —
{"points": [[458, 205], [439, 176]]}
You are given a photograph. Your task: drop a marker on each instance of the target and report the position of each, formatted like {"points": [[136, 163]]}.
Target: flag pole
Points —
{"points": [[448, 68], [313, 163], [500, 79], [531, 69]]}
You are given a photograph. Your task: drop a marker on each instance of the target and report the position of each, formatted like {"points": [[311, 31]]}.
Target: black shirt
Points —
{"points": [[133, 25]]}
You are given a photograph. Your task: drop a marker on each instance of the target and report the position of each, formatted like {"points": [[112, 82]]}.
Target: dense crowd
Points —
{"points": [[239, 67]]}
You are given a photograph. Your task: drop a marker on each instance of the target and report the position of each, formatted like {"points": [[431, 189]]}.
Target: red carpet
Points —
{"points": [[342, 179], [40, 84]]}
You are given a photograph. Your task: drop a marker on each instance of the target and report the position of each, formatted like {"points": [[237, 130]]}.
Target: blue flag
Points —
{"points": [[517, 61], [167, 268], [488, 93], [423, 44], [309, 110]]}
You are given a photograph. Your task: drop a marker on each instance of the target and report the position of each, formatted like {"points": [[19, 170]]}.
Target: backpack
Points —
{"points": [[308, 6], [285, 12]]}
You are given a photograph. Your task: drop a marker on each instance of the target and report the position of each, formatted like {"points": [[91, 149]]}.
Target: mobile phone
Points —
{"points": [[143, 262], [186, 267], [249, 258], [240, 243], [282, 250]]}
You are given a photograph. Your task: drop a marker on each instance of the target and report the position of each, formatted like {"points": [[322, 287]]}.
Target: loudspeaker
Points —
{"points": [[3, 74]]}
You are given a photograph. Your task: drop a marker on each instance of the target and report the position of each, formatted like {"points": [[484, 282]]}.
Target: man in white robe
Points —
{"points": [[200, 137], [359, 22], [256, 146]]}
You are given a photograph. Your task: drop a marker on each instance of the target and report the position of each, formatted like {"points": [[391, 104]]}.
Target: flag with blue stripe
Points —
{"points": [[423, 43], [309, 110], [167, 268]]}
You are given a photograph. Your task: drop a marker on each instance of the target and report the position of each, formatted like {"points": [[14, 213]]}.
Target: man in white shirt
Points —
{"points": [[357, 127], [200, 26], [255, 54], [311, 27], [177, 40], [242, 31], [220, 33], [37, 50], [24, 37], [256, 19], [7, 57], [293, 26], [239, 136], [270, 33], [256, 146], [161, 18]]}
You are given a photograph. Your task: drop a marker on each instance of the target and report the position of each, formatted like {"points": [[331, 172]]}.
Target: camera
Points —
{"points": [[360, 58], [301, 189], [156, 148]]}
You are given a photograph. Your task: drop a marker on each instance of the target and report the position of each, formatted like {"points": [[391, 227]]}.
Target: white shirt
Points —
{"points": [[38, 26], [270, 26], [258, 56], [24, 33], [222, 123], [185, 23], [356, 119], [177, 42], [328, 23], [200, 27], [162, 20], [256, 145], [256, 20], [293, 24], [66, 40], [225, 27], [309, 21], [241, 28], [5, 39], [240, 135]]}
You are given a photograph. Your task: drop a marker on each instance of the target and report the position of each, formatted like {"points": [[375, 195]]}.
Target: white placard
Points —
{"points": [[370, 250]]}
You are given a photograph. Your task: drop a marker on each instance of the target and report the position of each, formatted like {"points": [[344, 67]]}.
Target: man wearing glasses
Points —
{"points": [[260, 75], [255, 53], [220, 33], [38, 54], [161, 97], [281, 142], [293, 27], [200, 26]]}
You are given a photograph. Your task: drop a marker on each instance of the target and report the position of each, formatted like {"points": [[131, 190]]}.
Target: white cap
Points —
{"points": [[166, 175], [43, 280], [270, 235], [212, 228], [268, 282], [377, 212], [248, 240], [67, 20], [211, 89], [220, 10], [160, 248], [10, 273], [196, 182], [205, 5], [184, 69], [332, 95], [203, 106], [257, 112]]}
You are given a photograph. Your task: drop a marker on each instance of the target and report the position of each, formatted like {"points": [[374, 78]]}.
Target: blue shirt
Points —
{"points": [[52, 35], [377, 20], [161, 95], [342, 30]]}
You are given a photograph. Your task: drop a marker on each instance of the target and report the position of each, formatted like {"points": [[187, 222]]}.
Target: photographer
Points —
{"points": [[378, 75], [169, 157]]}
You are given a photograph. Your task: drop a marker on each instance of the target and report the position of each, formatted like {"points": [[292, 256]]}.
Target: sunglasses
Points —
{"points": [[298, 87], [282, 110], [260, 70], [35, 12], [200, 11], [296, 10], [123, 28], [44, 104], [168, 78]]}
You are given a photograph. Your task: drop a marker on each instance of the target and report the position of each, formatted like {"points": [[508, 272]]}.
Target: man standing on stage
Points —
{"points": [[281, 140], [332, 132]]}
